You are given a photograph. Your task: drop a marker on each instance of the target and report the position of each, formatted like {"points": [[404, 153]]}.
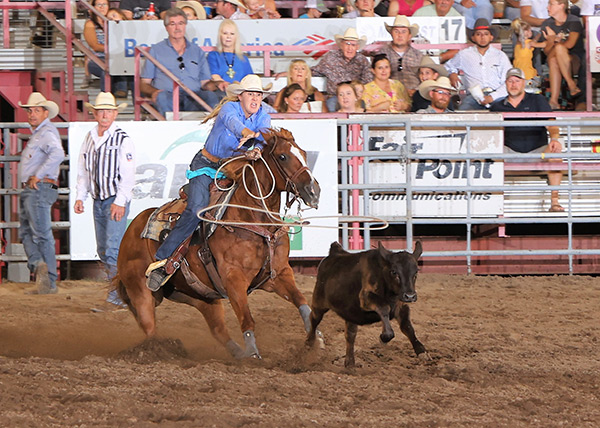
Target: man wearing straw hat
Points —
{"points": [[38, 173], [362, 8], [228, 9], [438, 92], [106, 171], [404, 59], [344, 64], [238, 124], [428, 70]]}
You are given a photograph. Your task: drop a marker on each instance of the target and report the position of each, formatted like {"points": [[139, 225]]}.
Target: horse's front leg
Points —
{"points": [[236, 285], [284, 284]]}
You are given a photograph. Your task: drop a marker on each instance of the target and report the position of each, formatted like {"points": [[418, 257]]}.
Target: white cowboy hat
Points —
{"points": [[352, 3], [442, 82], [402, 21], [198, 8], [236, 2], [38, 100], [351, 34], [250, 83], [105, 101], [427, 62]]}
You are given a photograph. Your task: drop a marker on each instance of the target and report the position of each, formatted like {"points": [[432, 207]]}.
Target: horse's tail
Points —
{"points": [[118, 285]]}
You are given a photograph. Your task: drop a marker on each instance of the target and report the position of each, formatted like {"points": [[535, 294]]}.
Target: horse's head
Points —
{"points": [[288, 161]]}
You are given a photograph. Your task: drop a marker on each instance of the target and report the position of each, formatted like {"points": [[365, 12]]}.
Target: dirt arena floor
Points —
{"points": [[505, 352]]}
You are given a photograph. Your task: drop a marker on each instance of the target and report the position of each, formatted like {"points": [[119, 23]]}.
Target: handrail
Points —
{"points": [[177, 83]]}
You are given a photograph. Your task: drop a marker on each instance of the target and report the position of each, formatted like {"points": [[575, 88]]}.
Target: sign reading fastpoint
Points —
{"points": [[164, 151]]}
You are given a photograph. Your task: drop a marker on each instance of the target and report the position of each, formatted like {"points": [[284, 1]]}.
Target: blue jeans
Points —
{"points": [[35, 229], [108, 233], [164, 101], [469, 103], [198, 198], [482, 9], [118, 83]]}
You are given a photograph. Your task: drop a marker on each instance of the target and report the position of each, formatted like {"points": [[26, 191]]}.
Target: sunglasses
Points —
{"points": [[400, 64], [442, 92], [181, 64]]}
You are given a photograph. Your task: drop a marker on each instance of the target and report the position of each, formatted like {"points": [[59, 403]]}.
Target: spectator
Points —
{"points": [[182, 58], [106, 171], [228, 64], [534, 12], [512, 9], [523, 51], [529, 139], [428, 70], [38, 174], [93, 33], [483, 68], [406, 7], [138, 9], [362, 8], [299, 72], [236, 122], [292, 99], [404, 59], [473, 10], [384, 95], [193, 9], [228, 9], [347, 98], [563, 37], [344, 64], [256, 9], [438, 93], [438, 8], [316, 8], [116, 14]]}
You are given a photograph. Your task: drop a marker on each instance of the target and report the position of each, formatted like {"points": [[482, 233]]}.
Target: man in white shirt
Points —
{"points": [[228, 9], [106, 170], [362, 8], [483, 69]]}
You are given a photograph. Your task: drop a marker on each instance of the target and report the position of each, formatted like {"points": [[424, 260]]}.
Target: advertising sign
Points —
{"points": [[124, 36], [164, 151], [593, 26], [443, 174]]}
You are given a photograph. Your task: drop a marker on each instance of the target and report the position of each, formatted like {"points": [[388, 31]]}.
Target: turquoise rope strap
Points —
{"points": [[206, 170]]}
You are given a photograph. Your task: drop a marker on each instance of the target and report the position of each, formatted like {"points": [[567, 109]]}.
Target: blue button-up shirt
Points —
{"points": [[194, 70], [224, 138], [43, 154]]}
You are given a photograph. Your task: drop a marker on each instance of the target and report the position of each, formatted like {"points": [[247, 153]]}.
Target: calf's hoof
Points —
{"points": [[386, 337], [424, 356]]}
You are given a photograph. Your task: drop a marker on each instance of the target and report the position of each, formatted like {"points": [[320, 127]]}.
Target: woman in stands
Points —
{"points": [[93, 33], [563, 34], [347, 99], [406, 7], [292, 99], [385, 95], [299, 72], [228, 64]]}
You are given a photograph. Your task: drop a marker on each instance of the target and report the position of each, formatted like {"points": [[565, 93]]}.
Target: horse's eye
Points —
{"points": [[282, 157], [393, 272]]}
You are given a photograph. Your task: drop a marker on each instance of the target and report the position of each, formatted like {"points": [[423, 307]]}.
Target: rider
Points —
{"points": [[239, 118]]}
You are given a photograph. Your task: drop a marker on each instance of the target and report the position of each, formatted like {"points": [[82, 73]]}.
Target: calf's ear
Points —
{"points": [[418, 250], [382, 251]]}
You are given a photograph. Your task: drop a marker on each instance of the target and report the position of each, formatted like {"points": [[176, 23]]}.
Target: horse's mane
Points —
{"points": [[234, 169]]}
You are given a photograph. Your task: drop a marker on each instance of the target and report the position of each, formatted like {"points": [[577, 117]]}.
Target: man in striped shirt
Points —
{"points": [[106, 170]]}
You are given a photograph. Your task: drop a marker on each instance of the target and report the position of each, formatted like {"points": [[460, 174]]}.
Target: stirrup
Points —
{"points": [[155, 265], [157, 276]]}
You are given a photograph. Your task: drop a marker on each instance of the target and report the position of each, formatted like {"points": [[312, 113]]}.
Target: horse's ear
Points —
{"points": [[269, 137]]}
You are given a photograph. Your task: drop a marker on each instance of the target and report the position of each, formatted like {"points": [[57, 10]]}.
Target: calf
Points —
{"points": [[364, 288]]}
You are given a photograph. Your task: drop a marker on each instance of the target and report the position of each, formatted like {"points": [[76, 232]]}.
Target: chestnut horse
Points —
{"points": [[240, 252]]}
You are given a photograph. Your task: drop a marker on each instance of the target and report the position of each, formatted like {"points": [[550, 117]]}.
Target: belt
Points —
{"points": [[53, 183], [210, 157]]}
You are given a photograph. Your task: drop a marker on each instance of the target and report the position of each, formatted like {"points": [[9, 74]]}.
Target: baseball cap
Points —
{"points": [[516, 72]]}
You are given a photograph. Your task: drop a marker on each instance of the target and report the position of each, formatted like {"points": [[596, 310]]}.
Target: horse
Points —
{"points": [[241, 249]]}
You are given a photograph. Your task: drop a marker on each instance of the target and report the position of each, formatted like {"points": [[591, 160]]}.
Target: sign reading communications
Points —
{"points": [[444, 175]]}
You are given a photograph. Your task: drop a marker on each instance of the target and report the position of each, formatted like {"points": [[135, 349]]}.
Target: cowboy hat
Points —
{"points": [[236, 2], [195, 5], [105, 101], [442, 82], [352, 3], [427, 62], [250, 83], [38, 100], [351, 34], [402, 21], [483, 24]]}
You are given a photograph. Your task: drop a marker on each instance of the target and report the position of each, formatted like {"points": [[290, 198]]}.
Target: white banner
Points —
{"points": [[124, 36], [164, 151], [593, 26], [440, 173]]}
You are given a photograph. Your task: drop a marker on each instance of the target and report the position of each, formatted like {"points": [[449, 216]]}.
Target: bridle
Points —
{"points": [[290, 185]]}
